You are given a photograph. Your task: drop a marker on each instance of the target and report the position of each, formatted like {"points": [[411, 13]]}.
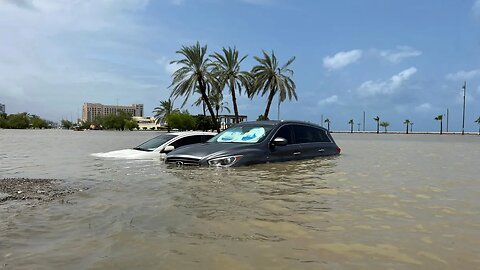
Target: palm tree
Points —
{"points": [[440, 118], [407, 122], [193, 74], [328, 123], [269, 78], [164, 109], [200, 101], [377, 119], [385, 124], [411, 127], [226, 68], [478, 122], [217, 101], [351, 125]]}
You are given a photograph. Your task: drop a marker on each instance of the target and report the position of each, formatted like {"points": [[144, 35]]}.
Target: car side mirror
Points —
{"points": [[279, 141], [168, 148]]}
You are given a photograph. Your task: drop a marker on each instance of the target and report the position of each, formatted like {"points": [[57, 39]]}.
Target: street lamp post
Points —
{"points": [[447, 119], [363, 121], [463, 121]]}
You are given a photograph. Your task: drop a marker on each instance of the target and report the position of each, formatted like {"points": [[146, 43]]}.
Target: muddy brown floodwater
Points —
{"points": [[388, 202]]}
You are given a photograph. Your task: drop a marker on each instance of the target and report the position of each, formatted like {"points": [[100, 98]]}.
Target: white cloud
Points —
{"points": [[165, 63], [328, 100], [372, 88], [425, 107], [476, 8], [463, 75], [469, 98], [71, 52], [400, 53], [341, 59]]}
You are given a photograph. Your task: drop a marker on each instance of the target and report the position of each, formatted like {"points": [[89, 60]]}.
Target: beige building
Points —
{"points": [[90, 111], [145, 123]]}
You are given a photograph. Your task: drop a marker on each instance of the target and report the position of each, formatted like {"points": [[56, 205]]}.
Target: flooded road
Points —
{"points": [[388, 202]]}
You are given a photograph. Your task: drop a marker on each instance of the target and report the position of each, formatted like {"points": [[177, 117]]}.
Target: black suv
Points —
{"points": [[258, 142]]}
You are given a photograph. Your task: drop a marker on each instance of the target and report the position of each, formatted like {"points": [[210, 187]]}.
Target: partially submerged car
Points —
{"points": [[258, 142], [159, 146]]}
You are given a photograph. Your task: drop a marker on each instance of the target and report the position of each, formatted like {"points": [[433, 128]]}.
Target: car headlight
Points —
{"points": [[224, 161]]}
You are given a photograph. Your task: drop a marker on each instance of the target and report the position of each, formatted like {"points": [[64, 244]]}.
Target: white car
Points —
{"points": [[159, 146]]}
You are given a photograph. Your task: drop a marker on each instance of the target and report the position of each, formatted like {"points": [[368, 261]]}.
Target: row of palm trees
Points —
{"points": [[407, 122], [440, 118], [383, 124], [210, 75]]}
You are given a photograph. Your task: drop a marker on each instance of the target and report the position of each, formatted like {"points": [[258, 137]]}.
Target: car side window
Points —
{"points": [[322, 135], [286, 133], [187, 140], [306, 134]]}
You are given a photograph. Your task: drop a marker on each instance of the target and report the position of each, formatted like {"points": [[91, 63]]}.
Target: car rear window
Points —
{"points": [[307, 134]]}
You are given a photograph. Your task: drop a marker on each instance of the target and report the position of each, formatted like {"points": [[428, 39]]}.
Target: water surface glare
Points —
{"points": [[388, 202]]}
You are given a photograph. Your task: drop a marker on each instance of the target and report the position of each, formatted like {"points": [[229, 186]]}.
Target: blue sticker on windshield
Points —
{"points": [[246, 136]]}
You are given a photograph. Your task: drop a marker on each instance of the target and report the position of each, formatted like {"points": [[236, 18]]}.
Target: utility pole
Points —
{"points": [[447, 119], [363, 121], [463, 121]]}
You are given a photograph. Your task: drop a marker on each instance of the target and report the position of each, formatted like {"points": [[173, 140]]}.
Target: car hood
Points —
{"points": [[128, 154], [207, 150]]}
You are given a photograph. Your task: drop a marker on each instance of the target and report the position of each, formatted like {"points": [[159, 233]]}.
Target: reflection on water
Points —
{"points": [[391, 201]]}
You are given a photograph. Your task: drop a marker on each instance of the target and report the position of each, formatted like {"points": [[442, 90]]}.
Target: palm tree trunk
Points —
{"points": [[269, 103], [234, 101], [407, 129], [441, 127], [203, 90], [351, 128], [378, 127]]}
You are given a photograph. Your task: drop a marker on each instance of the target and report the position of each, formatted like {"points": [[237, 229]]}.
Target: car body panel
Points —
{"points": [[157, 152], [262, 151]]}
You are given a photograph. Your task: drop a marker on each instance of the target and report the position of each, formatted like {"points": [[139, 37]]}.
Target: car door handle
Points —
{"points": [[321, 150], [296, 153]]}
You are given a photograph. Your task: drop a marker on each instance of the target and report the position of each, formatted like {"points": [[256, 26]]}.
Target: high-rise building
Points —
{"points": [[2, 108], [90, 111]]}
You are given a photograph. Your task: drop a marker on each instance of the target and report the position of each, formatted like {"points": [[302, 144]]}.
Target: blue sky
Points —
{"points": [[395, 59]]}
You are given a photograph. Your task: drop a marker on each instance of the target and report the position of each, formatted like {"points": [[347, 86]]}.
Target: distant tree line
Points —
{"points": [[118, 121], [24, 121]]}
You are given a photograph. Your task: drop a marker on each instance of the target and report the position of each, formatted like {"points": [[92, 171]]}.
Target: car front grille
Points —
{"points": [[183, 161]]}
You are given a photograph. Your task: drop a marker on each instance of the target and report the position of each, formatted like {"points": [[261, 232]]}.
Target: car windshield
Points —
{"points": [[154, 143], [242, 134]]}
